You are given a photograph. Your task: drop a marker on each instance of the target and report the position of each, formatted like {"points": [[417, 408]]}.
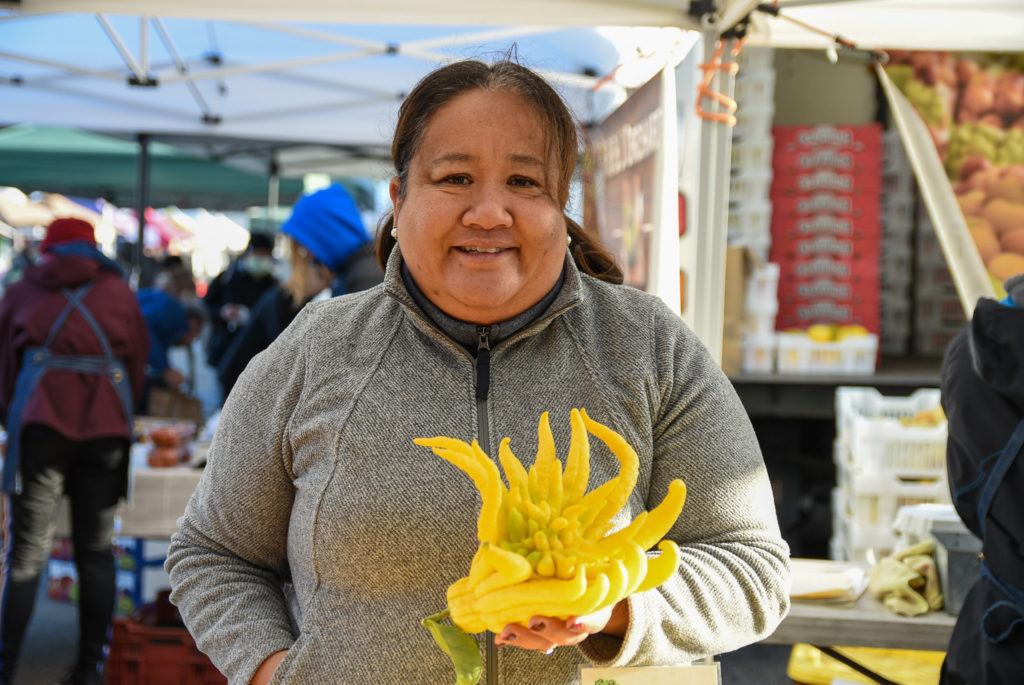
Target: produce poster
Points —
{"points": [[625, 154], [973, 106]]}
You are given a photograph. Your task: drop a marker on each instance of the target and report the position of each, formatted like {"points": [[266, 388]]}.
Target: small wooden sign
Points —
{"points": [[699, 674]]}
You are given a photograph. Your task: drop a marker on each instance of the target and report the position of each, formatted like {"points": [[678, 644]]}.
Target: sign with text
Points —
{"points": [[699, 674], [631, 189]]}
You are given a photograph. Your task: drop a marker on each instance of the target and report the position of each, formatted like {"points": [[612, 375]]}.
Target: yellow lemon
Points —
{"points": [[821, 332], [851, 331]]}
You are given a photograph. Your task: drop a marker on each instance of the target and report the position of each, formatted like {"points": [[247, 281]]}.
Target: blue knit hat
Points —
{"points": [[327, 223]]}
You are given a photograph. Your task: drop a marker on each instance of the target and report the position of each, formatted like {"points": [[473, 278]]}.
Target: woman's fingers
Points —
{"points": [[544, 633]]}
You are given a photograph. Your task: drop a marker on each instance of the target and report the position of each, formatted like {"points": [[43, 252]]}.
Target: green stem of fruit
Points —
{"points": [[463, 649]]}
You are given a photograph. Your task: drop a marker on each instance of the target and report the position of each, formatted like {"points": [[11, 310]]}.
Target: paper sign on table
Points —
{"points": [[700, 674]]}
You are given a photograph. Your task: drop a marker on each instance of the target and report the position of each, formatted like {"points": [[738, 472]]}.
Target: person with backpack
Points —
{"points": [[72, 366], [982, 385]]}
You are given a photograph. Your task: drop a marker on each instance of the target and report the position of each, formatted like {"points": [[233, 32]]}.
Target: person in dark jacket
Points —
{"points": [[983, 397], [171, 323], [331, 253], [233, 293], [71, 367]]}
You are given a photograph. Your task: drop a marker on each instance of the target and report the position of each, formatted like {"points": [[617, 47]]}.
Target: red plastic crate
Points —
{"points": [[837, 290], [838, 269], [801, 227], [843, 137], [793, 206], [826, 180], [806, 160], [157, 655], [860, 272], [803, 313], [787, 248]]}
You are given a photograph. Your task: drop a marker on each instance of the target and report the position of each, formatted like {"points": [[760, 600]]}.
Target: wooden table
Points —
{"points": [[867, 623]]}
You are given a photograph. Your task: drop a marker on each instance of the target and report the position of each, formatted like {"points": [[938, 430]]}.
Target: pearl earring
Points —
{"points": [[568, 239], [394, 232]]}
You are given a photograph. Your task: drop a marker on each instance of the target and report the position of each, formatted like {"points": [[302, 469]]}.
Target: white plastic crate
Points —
{"points": [[758, 353], [762, 290], [873, 500], [855, 543], [798, 354], [752, 152], [755, 85], [750, 220], [750, 186], [760, 324], [753, 120], [752, 57], [868, 423]]}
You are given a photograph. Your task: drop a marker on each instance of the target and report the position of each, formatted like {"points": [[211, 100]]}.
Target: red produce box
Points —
{"points": [[836, 269], [790, 206], [849, 291], [855, 138], [785, 248], [804, 314], [826, 180], [800, 227], [804, 160]]}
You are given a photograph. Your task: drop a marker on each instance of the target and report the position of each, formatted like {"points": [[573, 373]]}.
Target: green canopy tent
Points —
{"points": [[84, 164]]}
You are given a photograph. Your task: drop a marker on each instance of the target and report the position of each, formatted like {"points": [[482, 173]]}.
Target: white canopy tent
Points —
{"points": [[317, 72]]}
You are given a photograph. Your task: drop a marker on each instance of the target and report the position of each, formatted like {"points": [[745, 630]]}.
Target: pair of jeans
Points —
{"points": [[90, 473]]}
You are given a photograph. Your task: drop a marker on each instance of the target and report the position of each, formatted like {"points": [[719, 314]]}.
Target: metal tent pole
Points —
{"points": [[707, 283], [141, 202]]}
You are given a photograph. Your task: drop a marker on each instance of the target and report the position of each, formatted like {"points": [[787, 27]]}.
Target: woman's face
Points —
{"points": [[479, 226]]}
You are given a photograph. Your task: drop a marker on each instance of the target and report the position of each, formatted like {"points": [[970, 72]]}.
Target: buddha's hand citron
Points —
{"points": [[545, 547]]}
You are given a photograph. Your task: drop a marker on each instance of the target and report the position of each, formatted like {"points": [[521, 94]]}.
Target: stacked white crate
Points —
{"points": [[882, 465], [750, 209], [938, 314], [897, 208]]}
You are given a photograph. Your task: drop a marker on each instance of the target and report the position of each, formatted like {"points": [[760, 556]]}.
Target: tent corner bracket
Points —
{"points": [[148, 82]]}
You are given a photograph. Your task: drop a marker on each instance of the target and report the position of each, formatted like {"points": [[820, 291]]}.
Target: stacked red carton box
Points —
{"points": [[826, 224]]}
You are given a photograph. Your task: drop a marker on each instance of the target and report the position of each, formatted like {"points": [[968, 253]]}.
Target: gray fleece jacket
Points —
{"points": [[320, 528]]}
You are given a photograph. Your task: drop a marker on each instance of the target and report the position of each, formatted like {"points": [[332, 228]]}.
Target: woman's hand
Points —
{"points": [[544, 633], [266, 670]]}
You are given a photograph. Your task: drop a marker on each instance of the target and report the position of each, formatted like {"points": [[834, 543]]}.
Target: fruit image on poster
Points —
{"points": [[973, 106]]}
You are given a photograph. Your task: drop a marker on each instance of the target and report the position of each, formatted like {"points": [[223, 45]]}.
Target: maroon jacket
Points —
{"points": [[79, 406]]}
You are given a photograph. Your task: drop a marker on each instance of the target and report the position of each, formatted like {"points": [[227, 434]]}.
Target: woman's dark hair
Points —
{"points": [[445, 84]]}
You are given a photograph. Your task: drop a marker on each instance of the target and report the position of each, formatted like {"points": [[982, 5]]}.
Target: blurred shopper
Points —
{"points": [[331, 253], [71, 367], [173, 276], [233, 293], [983, 397], [171, 322]]}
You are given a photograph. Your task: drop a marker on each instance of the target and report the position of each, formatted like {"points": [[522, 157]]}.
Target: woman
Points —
{"points": [[326, 241], [483, 322], [72, 366]]}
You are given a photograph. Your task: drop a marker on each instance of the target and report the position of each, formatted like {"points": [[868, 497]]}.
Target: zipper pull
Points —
{"points": [[483, 362]]}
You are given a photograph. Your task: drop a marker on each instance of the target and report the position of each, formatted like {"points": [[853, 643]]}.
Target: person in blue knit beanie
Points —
{"points": [[331, 253]]}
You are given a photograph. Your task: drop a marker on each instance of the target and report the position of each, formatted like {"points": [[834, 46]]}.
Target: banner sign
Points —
{"points": [[631, 188]]}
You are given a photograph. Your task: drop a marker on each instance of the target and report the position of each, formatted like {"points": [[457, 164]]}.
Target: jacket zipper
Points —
{"points": [[483, 386]]}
